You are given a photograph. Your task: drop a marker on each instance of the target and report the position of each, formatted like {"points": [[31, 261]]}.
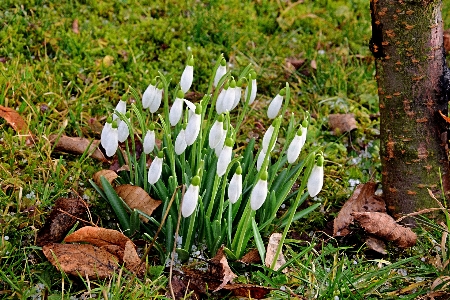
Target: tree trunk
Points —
{"points": [[407, 42]]}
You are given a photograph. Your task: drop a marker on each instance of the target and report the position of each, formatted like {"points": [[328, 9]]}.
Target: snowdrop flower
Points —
{"points": [[187, 76], [216, 132], [190, 198], [268, 135], [296, 146], [120, 107], [260, 160], [193, 126], [225, 157], [315, 180], [259, 192], [155, 170], [105, 131], [252, 79], [235, 186], [221, 71], [122, 129], [180, 142], [229, 97], [149, 94], [220, 106], [110, 138], [149, 140], [305, 124], [275, 104], [156, 102], [237, 93], [219, 146], [177, 109]]}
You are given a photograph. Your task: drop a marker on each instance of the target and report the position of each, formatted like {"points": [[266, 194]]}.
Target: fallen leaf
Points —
{"points": [[251, 257], [98, 236], [109, 175], [63, 216], [314, 64], [384, 226], [137, 198], [447, 119], [75, 28], [274, 241], [342, 122], [107, 61], [442, 283], [14, 119], [77, 145], [248, 290], [132, 260], [219, 267], [81, 260], [362, 200], [376, 245]]}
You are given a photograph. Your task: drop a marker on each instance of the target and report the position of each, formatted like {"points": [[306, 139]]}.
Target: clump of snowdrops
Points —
{"points": [[222, 194]]}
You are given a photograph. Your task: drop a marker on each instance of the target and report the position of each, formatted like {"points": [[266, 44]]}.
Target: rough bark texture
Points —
{"points": [[407, 42]]}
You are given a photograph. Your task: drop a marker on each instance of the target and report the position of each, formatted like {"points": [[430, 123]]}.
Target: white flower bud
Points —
{"points": [[259, 194], [155, 170], [315, 181], [192, 129], [266, 139], [216, 133], [149, 141], [186, 78], [220, 106], [190, 198], [235, 188], [221, 71], [148, 96], [260, 159], [111, 142], [294, 148], [121, 107], [219, 146], [176, 111], [122, 131], [224, 160], [274, 106], [180, 142], [156, 103]]}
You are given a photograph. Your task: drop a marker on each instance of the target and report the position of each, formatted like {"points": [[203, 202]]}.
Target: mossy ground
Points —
{"points": [[61, 81]]}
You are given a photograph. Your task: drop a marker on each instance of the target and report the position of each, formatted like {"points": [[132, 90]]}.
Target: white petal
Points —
{"points": [[105, 132], [192, 129], [219, 146], [260, 160], [304, 132], [215, 134], [180, 142], [266, 139], [111, 142], [237, 96], [274, 106], [294, 148], [186, 78], [121, 107], [191, 105], [253, 94], [221, 71], [228, 99], [315, 181], [219, 103], [122, 131], [259, 194], [190, 200], [148, 96], [154, 172], [156, 103], [235, 188], [224, 160], [176, 111], [149, 141]]}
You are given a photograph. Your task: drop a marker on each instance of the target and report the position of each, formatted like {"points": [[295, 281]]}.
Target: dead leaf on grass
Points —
{"points": [[274, 241], [384, 226], [81, 260], [137, 198], [376, 245], [251, 257], [77, 145], [219, 267], [14, 119], [132, 260], [109, 175], [248, 290], [98, 236], [75, 28], [63, 216], [362, 200], [340, 123]]}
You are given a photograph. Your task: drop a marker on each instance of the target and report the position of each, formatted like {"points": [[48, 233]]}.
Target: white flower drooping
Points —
{"points": [[110, 137], [177, 109], [216, 132], [315, 180], [259, 192], [260, 160], [219, 146], [156, 102], [237, 93], [220, 106], [149, 140], [193, 126], [120, 107], [275, 104], [229, 97], [188, 76], [221, 71], [225, 157], [180, 142], [149, 94], [235, 186], [296, 145], [122, 130], [190, 198], [252, 77], [155, 170]]}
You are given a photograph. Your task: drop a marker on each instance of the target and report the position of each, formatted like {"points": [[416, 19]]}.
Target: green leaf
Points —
{"points": [[258, 241], [116, 204]]}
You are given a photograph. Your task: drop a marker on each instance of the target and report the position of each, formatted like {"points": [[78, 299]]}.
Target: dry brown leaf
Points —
{"points": [[14, 119], [447, 119], [76, 145], [248, 290], [81, 260], [75, 28], [98, 236], [340, 123], [132, 260], [384, 226], [274, 241], [442, 282], [251, 257], [137, 198], [314, 64], [376, 245], [362, 200], [109, 175], [63, 216], [219, 266]]}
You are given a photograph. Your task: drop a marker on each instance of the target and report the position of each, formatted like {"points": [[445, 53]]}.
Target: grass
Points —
{"points": [[61, 81]]}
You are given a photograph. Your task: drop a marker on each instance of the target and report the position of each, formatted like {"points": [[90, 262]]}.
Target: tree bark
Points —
{"points": [[407, 42]]}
